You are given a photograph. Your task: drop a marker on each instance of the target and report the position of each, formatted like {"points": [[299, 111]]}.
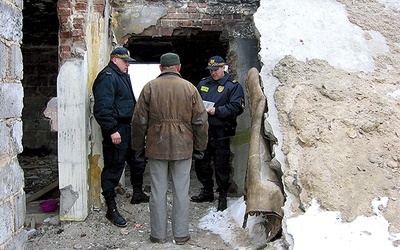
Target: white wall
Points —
{"points": [[141, 74]]}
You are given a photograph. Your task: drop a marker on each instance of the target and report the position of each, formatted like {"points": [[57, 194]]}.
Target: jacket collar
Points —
{"points": [[224, 79], [170, 72], [114, 67]]}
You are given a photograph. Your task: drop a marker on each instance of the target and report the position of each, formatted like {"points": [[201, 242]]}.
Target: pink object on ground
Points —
{"points": [[49, 205]]}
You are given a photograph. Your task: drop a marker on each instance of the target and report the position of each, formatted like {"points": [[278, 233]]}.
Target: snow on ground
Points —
{"points": [[318, 229], [228, 224]]}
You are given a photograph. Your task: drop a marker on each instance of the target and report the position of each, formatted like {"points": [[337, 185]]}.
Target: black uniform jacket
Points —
{"points": [[228, 96], [114, 101]]}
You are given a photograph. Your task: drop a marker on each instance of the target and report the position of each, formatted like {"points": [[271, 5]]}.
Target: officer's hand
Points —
{"points": [[197, 154], [116, 138], [139, 155], [211, 110]]}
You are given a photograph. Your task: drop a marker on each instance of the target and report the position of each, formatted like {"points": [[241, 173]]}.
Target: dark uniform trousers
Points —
{"points": [[115, 157], [218, 151]]}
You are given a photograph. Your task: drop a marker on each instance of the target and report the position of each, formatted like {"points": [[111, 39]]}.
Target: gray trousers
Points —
{"points": [[160, 171]]}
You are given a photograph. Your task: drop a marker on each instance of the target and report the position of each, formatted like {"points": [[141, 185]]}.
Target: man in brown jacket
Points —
{"points": [[169, 127]]}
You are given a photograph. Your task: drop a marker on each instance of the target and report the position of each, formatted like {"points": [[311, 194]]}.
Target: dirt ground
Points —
{"points": [[96, 232]]}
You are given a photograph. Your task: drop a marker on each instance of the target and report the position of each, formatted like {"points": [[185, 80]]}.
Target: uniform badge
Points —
{"points": [[220, 89]]}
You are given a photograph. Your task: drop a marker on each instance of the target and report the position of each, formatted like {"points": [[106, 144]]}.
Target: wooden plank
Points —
{"points": [[42, 192]]}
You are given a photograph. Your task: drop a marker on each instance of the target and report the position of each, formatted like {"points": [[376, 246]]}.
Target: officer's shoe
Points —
{"points": [[222, 203], [139, 196], [113, 215], [205, 195]]}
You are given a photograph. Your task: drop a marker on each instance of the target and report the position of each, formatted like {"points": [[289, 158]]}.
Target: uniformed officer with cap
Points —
{"points": [[224, 101], [114, 104]]}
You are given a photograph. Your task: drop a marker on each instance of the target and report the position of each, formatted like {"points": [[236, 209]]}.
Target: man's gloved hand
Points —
{"points": [[139, 155], [197, 154]]}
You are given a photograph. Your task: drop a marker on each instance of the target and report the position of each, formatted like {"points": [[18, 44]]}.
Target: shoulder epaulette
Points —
{"points": [[233, 80]]}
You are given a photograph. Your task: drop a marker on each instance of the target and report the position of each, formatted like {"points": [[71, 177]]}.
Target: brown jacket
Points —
{"points": [[169, 119]]}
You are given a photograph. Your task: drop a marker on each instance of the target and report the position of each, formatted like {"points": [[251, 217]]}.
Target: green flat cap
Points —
{"points": [[169, 59]]}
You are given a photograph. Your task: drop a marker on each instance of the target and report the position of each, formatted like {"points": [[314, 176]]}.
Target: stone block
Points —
{"points": [[5, 222], [18, 3], [4, 134], [11, 97], [18, 241], [19, 210], [3, 60], [16, 66], [11, 20], [16, 136], [12, 177]]}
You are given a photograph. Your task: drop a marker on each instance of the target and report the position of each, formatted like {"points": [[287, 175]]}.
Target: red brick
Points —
{"points": [[65, 48], [64, 4], [212, 28], [80, 6], [78, 26], [99, 9], [63, 20], [215, 22], [79, 20], [65, 55], [65, 34], [64, 12]]}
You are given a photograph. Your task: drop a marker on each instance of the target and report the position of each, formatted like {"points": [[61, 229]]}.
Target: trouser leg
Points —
{"points": [[158, 198], [180, 175], [114, 163], [204, 171], [221, 156], [136, 169]]}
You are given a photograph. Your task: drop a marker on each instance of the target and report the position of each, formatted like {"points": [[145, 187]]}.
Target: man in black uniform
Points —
{"points": [[224, 101], [114, 104]]}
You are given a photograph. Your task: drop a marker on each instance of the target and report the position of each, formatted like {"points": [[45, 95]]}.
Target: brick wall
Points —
{"points": [[12, 196], [71, 16]]}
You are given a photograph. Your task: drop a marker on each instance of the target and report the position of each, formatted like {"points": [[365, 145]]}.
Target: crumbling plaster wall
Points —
{"points": [[12, 195]]}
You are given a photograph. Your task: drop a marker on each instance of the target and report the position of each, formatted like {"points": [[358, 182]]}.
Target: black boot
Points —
{"points": [[222, 204], [205, 195], [113, 215], [139, 196]]}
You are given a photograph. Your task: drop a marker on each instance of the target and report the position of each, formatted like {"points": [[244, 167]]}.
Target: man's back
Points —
{"points": [[170, 109]]}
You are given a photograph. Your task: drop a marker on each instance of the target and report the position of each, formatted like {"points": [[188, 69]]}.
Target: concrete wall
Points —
{"points": [[12, 196]]}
